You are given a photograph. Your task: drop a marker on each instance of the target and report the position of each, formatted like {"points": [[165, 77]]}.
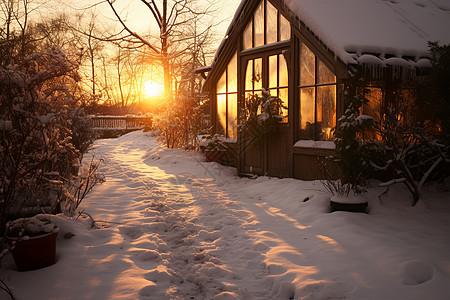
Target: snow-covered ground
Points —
{"points": [[176, 227]]}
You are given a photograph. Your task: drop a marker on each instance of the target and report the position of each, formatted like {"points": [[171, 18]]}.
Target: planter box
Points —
{"points": [[214, 155], [34, 253]]}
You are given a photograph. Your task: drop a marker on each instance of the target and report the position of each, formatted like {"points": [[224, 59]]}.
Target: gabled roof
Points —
{"points": [[396, 28], [369, 32], [351, 28]]}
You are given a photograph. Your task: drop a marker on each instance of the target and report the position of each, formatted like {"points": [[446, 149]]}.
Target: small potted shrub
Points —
{"points": [[353, 153], [262, 117], [32, 241], [346, 197], [215, 150]]}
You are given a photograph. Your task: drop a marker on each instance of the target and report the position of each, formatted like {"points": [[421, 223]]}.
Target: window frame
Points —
{"points": [[227, 94], [251, 26], [317, 60], [264, 53]]}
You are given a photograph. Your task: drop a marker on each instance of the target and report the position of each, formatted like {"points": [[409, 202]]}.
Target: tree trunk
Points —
{"points": [[164, 52]]}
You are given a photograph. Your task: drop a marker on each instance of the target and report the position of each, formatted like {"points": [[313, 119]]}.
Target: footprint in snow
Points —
{"points": [[417, 272], [208, 236], [150, 255]]}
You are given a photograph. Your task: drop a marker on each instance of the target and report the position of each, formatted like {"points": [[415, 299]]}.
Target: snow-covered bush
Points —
{"points": [[408, 151], [180, 123], [82, 133], [352, 151], [79, 186], [36, 149]]}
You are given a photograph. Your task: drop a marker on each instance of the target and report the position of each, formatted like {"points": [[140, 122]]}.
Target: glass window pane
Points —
{"points": [[247, 38], [307, 66], [273, 71], [283, 95], [221, 113], [307, 113], [232, 115], [259, 25], [232, 74], [249, 76], [272, 24], [257, 76], [373, 107], [326, 111], [283, 71], [324, 74], [221, 84], [285, 29]]}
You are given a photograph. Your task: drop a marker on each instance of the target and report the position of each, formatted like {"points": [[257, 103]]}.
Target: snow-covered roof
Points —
{"points": [[384, 27], [373, 32]]}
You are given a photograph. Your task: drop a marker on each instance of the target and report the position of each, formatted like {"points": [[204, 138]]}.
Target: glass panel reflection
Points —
{"points": [[285, 29], [247, 38], [307, 66], [272, 24], [326, 111], [249, 76], [283, 71], [232, 74], [283, 94], [307, 112], [273, 71], [257, 75], [221, 113], [325, 75], [232, 115], [221, 84], [259, 25]]}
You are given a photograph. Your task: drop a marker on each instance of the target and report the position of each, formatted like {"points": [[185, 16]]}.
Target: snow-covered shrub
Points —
{"points": [[409, 151], [36, 149], [352, 151], [180, 123], [79, 186], [79, 124]]}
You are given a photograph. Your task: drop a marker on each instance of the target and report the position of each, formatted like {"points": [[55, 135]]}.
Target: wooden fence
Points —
{"points": [[116, 125]]}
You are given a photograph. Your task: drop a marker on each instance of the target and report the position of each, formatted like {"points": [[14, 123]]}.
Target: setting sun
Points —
{"points": [[153, 89]]}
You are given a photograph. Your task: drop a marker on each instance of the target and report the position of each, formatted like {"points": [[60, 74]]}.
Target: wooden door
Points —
{"points": [[268, 156]]}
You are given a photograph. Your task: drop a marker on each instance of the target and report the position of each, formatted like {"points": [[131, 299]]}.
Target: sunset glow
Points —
{"points": [[153, 89]]}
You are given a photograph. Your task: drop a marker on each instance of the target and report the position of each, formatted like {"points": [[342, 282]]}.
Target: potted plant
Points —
{"points": [[352, 153], [262, 117], [214, 150], [32, 242], [346, 197]]}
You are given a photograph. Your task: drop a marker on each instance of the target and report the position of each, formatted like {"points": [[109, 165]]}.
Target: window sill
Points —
{"points": [[314, 148]]}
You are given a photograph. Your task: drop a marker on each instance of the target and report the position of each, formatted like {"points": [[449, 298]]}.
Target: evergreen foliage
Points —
{"points": [[353, 153]]}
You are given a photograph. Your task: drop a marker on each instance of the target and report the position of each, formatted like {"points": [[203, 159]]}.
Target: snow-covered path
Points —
{"points": [[176, 227], [184, 233]]}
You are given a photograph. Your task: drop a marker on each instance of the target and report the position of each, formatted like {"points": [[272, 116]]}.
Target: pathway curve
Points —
{"points": [[187, 235]]}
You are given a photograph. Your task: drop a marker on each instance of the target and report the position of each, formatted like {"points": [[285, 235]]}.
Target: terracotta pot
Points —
{"points": [[214, 155], [34, 253]]}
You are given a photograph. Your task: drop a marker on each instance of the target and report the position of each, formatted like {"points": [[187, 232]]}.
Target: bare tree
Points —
{"points": [[13, 30], [171, 18]]}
